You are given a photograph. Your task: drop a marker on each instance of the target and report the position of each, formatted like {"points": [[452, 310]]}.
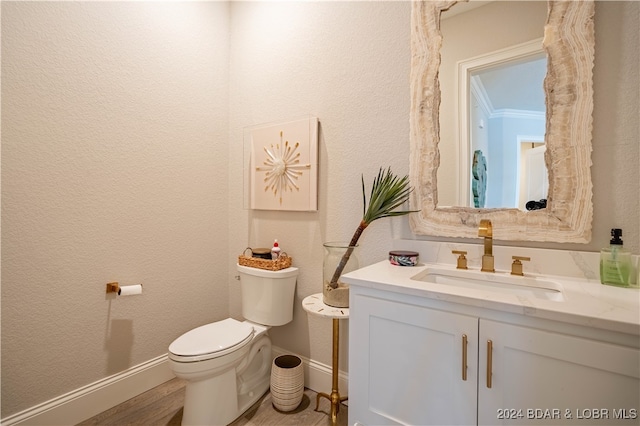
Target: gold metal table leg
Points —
{"points": [[335, 397]]}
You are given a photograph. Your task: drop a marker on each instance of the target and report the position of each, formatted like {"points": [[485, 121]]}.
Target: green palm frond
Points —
{"points": [[387, 194]]}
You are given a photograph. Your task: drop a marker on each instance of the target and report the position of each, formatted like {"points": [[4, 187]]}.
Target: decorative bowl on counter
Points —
{"points": [[403, 258]]}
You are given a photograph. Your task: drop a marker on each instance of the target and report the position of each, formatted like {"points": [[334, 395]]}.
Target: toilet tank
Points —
{"points": [[267, 296]]}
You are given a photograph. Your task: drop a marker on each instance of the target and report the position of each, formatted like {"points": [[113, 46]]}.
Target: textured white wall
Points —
{"points": [[348, 64], [122, 160], [616, 124], [114, 149]]}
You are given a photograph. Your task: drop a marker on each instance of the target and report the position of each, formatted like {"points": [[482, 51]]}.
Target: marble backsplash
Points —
{"points": [[567, 263]]}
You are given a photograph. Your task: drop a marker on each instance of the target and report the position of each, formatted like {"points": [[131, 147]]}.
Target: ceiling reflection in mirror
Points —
{"points": [[492, 105]]}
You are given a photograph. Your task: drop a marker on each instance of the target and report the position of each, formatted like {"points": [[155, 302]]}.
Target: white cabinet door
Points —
{"points": [[406, 364], [542, 377]]}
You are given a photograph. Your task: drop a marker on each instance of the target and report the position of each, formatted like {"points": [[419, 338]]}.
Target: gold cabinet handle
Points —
{"points": [[489, 362], [464, 357]]}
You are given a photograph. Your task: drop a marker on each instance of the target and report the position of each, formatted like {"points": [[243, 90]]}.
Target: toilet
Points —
{"points": [[227, 364]]}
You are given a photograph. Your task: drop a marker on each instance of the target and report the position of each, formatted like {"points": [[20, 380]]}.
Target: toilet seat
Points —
{"points": [[211, 341]]}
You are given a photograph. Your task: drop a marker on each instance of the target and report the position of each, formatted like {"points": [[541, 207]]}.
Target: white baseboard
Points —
{"points": [[317, 376], [86, 402]]}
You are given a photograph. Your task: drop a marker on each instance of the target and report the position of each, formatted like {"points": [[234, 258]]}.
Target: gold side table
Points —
{"points": [[315, 306]]}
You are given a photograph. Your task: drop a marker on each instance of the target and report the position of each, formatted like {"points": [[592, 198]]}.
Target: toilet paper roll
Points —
{"points": [[130, 290]]}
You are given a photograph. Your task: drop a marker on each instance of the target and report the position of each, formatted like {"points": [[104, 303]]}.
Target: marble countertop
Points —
{"points": [[585, 301]]}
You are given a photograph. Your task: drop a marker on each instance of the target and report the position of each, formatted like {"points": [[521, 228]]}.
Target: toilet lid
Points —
{"points": [[211, 339]]}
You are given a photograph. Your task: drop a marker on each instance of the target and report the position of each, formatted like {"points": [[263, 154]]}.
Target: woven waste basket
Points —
{"points": [[287, 382]]}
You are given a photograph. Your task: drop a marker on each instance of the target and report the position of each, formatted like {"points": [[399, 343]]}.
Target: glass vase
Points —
{"points": [[334, 252]]}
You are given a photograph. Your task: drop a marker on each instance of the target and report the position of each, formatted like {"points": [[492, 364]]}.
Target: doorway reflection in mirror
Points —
{"points": [[492, 92], [506, 107]]}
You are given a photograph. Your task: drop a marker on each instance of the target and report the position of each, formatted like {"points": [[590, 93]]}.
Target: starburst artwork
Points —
{"points": [[284, 166]]}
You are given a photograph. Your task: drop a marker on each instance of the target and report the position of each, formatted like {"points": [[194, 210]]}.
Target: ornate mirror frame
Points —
{"points": [[569, 43]]}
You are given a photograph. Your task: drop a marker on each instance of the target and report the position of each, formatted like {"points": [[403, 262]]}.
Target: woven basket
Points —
{"points": [[282, 262]]}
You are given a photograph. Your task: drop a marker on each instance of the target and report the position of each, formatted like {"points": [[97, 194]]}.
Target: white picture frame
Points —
{"points": [[283, 167]]}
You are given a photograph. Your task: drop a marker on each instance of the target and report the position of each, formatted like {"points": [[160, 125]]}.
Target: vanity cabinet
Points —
{"points": [[419, 361], [539, 376], [405, 364]]}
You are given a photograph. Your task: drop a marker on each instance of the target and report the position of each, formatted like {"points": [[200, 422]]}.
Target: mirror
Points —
{"points": [[492, 104], [569, 46], [502, 163]]}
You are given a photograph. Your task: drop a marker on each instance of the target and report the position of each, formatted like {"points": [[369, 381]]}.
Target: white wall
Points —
{"points": [[114, 153], [616, 128], [122, 160], [348, 64]]}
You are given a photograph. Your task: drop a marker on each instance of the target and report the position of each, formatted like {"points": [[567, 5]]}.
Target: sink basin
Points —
{"points": [[500, 282]]}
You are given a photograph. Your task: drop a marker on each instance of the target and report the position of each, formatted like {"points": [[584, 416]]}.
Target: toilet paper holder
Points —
{"points": [[113, 287], [129, 290]]}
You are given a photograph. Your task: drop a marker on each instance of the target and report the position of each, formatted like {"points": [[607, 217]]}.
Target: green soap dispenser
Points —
{"points": [[615, 262]]}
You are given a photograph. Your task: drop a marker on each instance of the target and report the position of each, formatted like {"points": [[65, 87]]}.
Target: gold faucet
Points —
{"points": [[486, 230]]}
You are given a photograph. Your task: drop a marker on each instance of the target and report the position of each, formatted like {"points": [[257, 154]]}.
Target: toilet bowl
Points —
{"points": [[227, 364]]}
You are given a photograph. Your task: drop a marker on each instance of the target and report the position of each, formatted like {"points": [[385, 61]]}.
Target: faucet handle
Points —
{"points": [[462, 260], [516, 267]]}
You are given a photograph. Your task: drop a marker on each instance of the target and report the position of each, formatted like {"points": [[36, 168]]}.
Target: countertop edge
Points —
{"points": [[588, 303]]}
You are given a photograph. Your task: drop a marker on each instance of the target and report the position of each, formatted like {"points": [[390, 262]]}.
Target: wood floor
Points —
{"points": [[163, 404]]}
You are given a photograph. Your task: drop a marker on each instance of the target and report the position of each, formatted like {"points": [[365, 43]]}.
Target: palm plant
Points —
{"points": [[387, 193]]}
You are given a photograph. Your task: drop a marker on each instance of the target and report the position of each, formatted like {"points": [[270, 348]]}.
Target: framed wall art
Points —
{"points": [[283, 165]]}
